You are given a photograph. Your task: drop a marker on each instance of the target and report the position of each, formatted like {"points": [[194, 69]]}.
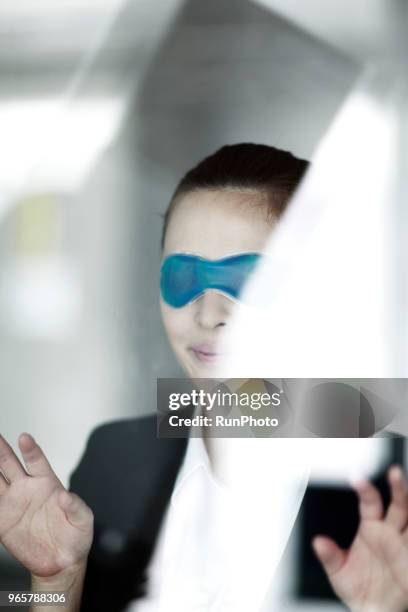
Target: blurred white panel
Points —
{"points": [[325, 293], [34, 31], [40, 297], [266, 484], [48, 145], [9, 8], [326, 297], [340, 462]]}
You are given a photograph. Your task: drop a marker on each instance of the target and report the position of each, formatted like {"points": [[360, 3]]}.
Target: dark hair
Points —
{"points": [[275, 172]]}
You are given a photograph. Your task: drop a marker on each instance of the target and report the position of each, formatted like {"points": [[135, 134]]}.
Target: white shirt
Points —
{"points": [[218, 547], [186, 573]]}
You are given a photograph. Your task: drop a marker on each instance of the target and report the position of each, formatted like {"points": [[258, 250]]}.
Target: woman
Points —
{"points": [[225, 206]]}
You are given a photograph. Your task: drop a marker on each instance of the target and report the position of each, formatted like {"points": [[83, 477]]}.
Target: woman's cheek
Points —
{"points": [[182, 327], [169, 319], [177, 322]]}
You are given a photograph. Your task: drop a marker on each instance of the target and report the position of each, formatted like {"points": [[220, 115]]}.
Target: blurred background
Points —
{"points": [[103, 107]]}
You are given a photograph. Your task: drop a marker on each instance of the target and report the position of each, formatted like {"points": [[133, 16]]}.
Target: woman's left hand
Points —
{"points": [[372, 575]]}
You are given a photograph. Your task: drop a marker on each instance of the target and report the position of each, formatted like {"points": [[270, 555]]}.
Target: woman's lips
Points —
{"points": [[205, 354]]}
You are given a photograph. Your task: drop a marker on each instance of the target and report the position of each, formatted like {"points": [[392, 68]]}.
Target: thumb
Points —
{"points": [[76, 510], [331, 556]]}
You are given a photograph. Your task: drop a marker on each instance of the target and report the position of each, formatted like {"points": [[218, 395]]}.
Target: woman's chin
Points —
{"points": [[197, 368]]}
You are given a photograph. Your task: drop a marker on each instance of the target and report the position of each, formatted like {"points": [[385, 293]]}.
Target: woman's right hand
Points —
{"points": [[43, 526]]}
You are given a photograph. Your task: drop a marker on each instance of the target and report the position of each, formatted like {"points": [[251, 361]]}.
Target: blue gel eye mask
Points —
{"points": [[185, 278]]}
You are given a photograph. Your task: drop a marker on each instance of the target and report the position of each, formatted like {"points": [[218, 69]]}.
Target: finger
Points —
{"points": [[36, 462], [3, 484], [331, 556], [76, 510], [395, 551], [397, 513], [9, 462], [370, 502]]}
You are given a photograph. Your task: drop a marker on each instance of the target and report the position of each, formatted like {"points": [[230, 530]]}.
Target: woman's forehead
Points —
{"points": [[214, 224]]}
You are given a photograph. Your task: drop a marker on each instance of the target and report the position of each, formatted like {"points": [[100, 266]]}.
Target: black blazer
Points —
{"points": [[126, 476]]}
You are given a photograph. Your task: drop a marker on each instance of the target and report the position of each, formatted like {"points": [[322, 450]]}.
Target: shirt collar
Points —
{"points": [[196, 457]]}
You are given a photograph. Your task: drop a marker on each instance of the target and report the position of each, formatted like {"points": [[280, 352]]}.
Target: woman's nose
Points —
{"points": [[213, 309]]}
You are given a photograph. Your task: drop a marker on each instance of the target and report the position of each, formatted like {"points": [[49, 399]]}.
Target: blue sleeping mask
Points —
{"points": [[185, 278]]}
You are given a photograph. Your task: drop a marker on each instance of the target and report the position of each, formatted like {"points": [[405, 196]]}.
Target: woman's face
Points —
{"points": [[213, 225]]}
